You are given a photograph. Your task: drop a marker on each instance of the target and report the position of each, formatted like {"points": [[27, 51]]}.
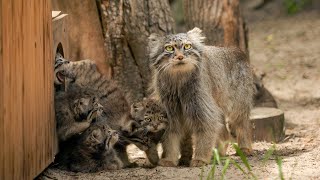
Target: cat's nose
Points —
{"points": [[180, 57]]}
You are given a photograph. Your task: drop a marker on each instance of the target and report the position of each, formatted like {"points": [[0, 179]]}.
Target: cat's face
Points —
{"points": [[100, 137], [59, 70], [150, 116], [87, 106], [176, 53]]}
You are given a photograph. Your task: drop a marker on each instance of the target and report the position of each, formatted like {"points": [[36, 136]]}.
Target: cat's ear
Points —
{"points": [[196, 35], [134, 106]]}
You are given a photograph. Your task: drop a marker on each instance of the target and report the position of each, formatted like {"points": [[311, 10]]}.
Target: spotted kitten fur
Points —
{"points": [[84, 75], [152, 122], [75, 111], [91, 151]]}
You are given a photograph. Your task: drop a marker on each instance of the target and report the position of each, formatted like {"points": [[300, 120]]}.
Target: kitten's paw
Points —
{"points": [[197, 163], [166, 163], [148, 165]]}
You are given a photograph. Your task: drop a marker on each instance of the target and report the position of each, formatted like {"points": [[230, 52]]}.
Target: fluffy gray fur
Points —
{"points": [[206, 92]]}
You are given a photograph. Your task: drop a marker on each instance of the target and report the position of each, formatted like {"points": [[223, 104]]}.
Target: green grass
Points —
{"points": [[294, 6], [246, 170]]}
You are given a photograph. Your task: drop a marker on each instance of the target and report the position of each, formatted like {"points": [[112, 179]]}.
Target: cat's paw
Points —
{"points": [[197, 163], [166, 163], [246, 151]]}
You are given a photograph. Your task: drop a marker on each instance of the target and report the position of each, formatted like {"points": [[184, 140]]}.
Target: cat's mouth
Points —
{"points": [[60, 77], [180, 62]]}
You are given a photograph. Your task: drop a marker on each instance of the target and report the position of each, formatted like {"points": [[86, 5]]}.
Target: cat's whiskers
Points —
{"points": [[163, 68]]}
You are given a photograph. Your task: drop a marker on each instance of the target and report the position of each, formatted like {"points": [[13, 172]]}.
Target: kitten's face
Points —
{"points": [[100, 137], [59, 70], [176, 53], [87, 106], [150, 116]]}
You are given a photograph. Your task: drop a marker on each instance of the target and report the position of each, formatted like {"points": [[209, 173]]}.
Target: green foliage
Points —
{"points": [[225, 167], [242, 156], [294, 6], [225, 162], [279, 163], [268, 154]]}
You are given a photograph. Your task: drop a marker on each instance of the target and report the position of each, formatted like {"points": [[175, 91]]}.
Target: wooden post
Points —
{"points": [[26, 88]]}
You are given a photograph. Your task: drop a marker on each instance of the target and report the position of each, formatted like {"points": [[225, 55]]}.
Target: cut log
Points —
{"points": [[267, 124]]}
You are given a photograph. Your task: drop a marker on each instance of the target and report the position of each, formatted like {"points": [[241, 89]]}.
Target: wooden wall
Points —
{"points": [[26, 88]]}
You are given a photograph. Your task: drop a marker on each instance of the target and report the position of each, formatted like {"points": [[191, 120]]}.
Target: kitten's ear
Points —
{"points": [[76, 101], [133, 106], [196, 35]]}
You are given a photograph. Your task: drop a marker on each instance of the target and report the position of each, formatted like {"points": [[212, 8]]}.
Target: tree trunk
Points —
{"points": [[223, 25], [126, 25], [220, 21]]}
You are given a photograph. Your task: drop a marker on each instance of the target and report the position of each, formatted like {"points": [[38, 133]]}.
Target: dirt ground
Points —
{"points": [[287, 49]]}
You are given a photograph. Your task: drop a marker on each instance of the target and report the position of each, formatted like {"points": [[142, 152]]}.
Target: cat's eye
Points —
{"points": [[168, 48], [160, 118], [148, 119], [187, 46]]}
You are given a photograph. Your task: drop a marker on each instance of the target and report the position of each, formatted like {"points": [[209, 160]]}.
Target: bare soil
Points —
{"points": [[287, 49]]}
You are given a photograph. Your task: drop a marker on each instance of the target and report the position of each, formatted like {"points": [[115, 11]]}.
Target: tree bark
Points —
{"points": [[220, 21], [223, 25], [126, 25]]}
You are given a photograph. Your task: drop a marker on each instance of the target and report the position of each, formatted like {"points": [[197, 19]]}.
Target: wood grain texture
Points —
{"points": [[1, 100], [27, 119]]}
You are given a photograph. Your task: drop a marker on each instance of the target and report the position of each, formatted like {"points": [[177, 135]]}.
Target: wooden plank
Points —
{"points": [[12, 86], [38, 93], [27, 116], [1, 100]]}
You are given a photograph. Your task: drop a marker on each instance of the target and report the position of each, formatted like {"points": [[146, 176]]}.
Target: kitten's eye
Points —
{"points": [[187, 46], [148, 119], [169, 48], [160, 118]]}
